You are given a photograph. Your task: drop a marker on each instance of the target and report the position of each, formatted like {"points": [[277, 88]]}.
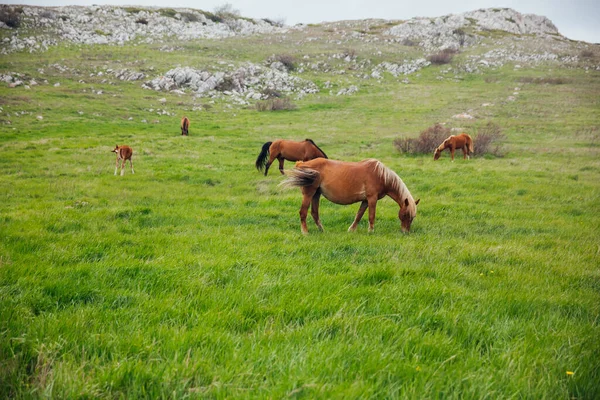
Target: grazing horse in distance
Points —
{"points": [[185, 126], [462, 141], [123, 153], [350, 182], [287, 150]]}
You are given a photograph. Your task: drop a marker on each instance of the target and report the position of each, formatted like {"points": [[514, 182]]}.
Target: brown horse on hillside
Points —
{"points": [[462, 141], [185, 126], [287, 150], [347, 183], [123, 153]]}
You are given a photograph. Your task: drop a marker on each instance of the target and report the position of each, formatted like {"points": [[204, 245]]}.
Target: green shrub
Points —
{"points": [[276, 104]]}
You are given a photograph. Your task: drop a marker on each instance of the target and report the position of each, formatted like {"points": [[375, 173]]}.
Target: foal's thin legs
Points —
{"points": [[359, 215]]}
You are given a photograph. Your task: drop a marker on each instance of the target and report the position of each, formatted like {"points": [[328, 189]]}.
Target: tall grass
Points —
{"points": [[190, 278]]}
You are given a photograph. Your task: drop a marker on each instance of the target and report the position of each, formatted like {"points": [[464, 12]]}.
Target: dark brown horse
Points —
{"points": [[287, 150], [124, 153], [462, 141], [347, 183], [185, 126]]}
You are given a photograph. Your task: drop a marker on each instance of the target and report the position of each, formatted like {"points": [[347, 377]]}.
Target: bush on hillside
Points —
{"points": [[275, 104], [226, 11], [288, 61], [425, 143], [489, 140], [443, 57]]}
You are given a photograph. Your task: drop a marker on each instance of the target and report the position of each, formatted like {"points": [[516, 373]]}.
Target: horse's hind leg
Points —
{"points": [[116, 166], [281, 160], [307, 195], [314, 209], [359, 215], [131, 164], [123, 167], [372, 204]]}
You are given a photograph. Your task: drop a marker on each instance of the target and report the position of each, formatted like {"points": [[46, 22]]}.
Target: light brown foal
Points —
{"points": [[124, 153]]}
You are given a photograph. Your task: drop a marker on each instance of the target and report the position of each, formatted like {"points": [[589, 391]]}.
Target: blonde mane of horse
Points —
{"points": [[390, 178], [441, 147]]}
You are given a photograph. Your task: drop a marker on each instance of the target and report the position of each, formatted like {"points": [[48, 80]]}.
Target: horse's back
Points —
{"points": [[125, 152], [345, 182], [461, 140]]}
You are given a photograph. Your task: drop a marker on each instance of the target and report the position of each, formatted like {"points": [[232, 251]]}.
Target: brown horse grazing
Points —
{"points": [[287, 150], [350, 182], [462, 141], [123, 153], [185, 126]]}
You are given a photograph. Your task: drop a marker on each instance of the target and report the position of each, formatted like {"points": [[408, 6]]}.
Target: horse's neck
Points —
{"points": [[399, 192]]}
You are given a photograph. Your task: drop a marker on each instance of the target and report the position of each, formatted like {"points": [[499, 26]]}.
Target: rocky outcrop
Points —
{"points": [[250, 81], [456, 30], [118, 25]]}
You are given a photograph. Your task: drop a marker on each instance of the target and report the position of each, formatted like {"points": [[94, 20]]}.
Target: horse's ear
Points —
{"points": [[417, 202]]}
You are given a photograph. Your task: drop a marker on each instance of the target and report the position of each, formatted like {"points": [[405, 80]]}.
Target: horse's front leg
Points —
{"points": [[314, 209], [452, 152], [359, 215], [306, 199], [268, 164], [372, 204], [281, 160]]}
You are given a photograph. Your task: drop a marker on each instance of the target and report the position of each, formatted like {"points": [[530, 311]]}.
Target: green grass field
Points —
{"points": [[191, 278]]}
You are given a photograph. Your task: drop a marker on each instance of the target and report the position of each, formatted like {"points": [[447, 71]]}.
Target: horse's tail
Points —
{"points": [[470, 146], [261, 161], [300, 177], [318, 148]]}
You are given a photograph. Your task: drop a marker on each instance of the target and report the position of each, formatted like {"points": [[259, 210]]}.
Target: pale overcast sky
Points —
{"points": [[575, 19]]}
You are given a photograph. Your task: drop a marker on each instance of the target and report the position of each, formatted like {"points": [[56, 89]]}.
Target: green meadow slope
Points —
{"points": [[190, 278]]}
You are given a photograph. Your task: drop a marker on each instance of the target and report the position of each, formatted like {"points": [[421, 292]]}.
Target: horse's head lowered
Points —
{"points": [[408, 212], [438, 151]]}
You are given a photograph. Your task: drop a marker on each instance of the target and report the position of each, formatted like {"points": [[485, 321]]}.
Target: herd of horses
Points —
{"points": [[340, 182]]}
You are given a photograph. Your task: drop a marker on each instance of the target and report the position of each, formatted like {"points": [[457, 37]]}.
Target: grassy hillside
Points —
{"points": [[191, 278]]}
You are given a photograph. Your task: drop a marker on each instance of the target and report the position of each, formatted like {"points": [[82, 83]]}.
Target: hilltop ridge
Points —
{"points": [[40, 27]]}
